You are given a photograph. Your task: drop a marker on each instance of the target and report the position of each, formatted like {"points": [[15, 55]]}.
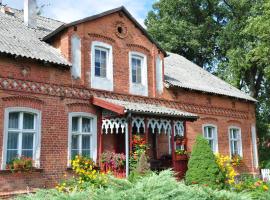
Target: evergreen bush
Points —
{"points": [[202, 167]]}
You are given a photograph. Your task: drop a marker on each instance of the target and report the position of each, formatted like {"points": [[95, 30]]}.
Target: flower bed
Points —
{"points": [[114, 163]]}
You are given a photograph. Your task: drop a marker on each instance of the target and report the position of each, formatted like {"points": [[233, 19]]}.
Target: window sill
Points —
{"points": [[69, 169], [8, 171]]}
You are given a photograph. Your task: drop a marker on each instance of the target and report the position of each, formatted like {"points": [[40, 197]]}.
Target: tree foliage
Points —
{"points": [[186, 27], [229, 37], [202, 166]]}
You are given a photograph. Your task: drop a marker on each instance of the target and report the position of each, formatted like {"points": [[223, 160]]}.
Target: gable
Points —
{"points": [[121, 10]]}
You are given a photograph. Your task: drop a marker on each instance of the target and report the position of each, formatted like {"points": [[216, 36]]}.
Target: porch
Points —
{"points": [[160, 128]]}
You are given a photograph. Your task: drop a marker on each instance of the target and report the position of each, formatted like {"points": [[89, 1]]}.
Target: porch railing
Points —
{"points": [[265, 174]]}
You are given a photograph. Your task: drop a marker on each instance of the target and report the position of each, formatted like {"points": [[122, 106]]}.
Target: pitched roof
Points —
{"points": [[93, 17], [180, 72], [148, 108], [19, 40]]}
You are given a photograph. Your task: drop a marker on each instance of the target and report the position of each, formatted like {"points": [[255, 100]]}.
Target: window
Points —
{"points": [[21, 135], [101, 66], [82, 135], [235, 141], [159, 76], [76, 56], [210, 133], [136, 62], [101, 57], [138, 81]]}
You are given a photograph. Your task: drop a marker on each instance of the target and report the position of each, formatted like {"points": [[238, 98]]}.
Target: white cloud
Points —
{"points": [[71, 10]]}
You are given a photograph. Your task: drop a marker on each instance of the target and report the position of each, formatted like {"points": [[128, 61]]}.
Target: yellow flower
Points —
{"points": [[265, 188]]}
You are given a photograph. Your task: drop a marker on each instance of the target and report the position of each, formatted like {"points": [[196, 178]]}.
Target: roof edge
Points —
{"points": [[212, 93], [108, 12], [107, 105]]}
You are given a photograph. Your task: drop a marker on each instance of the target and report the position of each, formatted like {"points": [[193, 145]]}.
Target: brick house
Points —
{"points": [[86, 87]]}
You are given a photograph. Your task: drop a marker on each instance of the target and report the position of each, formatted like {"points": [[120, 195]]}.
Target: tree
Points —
{"points": [[246, 43], [188, 28], [202, 166], [230, 37]]}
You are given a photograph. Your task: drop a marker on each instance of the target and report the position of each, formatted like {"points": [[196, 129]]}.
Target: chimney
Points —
{"points": [[30, 12]]}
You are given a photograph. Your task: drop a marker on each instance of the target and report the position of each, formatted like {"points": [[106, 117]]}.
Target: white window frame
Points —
{"points": [[159, 75], [254, 146], [93, 145], [138, 88], [215, 136], [102, 83], [141, 60], [240, 148], [37, 135], [76, 58]]}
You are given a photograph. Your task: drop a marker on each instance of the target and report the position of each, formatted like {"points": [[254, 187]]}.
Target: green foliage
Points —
{"points": [[151, 187], [202, 167], [229, 37], [255, 186], [186, 27], [56, 195], [87, 175]]}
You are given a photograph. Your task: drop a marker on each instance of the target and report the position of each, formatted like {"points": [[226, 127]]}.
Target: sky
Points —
{"points": [[70, 10]]}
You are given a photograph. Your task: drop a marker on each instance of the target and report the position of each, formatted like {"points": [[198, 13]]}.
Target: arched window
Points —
{"points": [[22, 135], [76, 56], [210, 133]]}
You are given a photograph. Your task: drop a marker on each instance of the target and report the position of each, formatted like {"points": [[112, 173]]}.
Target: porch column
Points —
{"points": [[100, 142], [130, 135], [146, 133], [185, 135], [127, 148], [172, 144]]}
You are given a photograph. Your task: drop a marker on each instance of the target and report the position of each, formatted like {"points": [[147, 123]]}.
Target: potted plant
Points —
{"points": [[181, 154], [178, 139], [114, 162], [236, 160], [21, 164]]}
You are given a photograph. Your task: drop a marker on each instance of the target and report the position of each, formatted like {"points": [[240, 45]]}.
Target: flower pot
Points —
{"points": [[184, 141], [181, 157]]}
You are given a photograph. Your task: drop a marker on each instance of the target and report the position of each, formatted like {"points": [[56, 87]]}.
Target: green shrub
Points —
{"points": [[56, 195], [202, 167], [163, 186], [151, 187]]}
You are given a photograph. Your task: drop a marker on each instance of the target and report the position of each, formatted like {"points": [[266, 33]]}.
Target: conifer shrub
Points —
{"points": [[202, 167]]}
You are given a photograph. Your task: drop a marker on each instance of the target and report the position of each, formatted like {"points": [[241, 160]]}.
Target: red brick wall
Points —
{"points": [[96, 30], [221, 111]]}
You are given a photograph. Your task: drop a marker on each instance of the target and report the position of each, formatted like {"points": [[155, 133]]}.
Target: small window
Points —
{"points": [[136, 62], [81, 142], [210, 133], [235, 142], [76, 57], [21, 135], [101, 58]]}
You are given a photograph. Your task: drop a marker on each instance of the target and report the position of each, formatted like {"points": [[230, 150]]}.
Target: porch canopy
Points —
{"points": [[125, 116]]}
